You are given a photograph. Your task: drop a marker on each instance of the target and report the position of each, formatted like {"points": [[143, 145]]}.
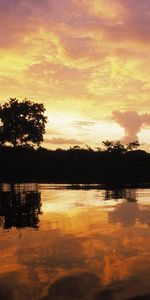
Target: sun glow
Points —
{"points": [[83, 60]]}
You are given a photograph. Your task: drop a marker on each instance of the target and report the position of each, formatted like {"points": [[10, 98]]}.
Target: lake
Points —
{"points": [[63, 242]]}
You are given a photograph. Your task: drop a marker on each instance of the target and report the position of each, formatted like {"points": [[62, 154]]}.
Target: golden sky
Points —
{"points": [[88, 61]]}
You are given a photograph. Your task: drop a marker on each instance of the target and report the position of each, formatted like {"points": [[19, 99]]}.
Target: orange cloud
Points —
{"points": [[62, 141], [132, 122], [90, 57]]}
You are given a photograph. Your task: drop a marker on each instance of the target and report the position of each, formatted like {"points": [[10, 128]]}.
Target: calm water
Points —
{"points": [[59, 243]]}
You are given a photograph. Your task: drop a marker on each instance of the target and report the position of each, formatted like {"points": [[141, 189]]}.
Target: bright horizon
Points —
{"points": [[87, 61]]}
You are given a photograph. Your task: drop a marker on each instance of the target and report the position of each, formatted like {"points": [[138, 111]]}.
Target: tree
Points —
{"points": [[119, 148], [22, 123], [108, 145], [133, 145], [114, 147]]}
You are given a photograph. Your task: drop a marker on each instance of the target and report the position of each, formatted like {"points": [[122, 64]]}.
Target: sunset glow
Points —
{"points": [[84, 60]]}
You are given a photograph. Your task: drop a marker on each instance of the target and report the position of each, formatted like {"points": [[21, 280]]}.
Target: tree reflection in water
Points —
{"points": [[128, 212], [19, 209], [127, 194]]}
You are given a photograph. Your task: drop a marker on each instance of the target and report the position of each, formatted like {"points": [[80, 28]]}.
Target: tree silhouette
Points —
{"points": [[115, 147], [108, 145], [133, 145], [22, 123], [112, 146]]}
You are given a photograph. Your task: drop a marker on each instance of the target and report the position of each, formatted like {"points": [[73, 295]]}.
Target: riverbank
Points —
{"points": [[75, 167]]}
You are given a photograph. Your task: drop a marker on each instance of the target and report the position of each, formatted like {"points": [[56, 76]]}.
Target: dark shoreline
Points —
{"points": [[79, 186], [76, 167]]}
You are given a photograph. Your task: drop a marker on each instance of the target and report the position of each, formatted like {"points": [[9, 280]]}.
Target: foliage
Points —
{"points": [[117, 147], [23, 123], [133, 145], [108, 145]]}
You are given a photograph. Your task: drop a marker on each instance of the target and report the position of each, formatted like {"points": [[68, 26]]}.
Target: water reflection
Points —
{"points": [[91, 244], [127, 212], [19, 209], [79, 286], [116, 194]]}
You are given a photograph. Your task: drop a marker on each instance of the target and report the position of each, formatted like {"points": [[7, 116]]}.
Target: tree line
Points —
{"points": [[22, 159]]}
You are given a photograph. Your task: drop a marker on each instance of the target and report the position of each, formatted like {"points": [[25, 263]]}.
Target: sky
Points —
{"points": [[88, 61]]}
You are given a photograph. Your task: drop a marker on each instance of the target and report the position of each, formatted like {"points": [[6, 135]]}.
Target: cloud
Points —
{"points": [[86, 56], [52, 131], [63, 141], [132, 123], [80, 124]]}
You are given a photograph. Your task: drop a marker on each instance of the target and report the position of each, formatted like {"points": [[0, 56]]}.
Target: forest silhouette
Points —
{"points": [[22, 159], [75, 165]]}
